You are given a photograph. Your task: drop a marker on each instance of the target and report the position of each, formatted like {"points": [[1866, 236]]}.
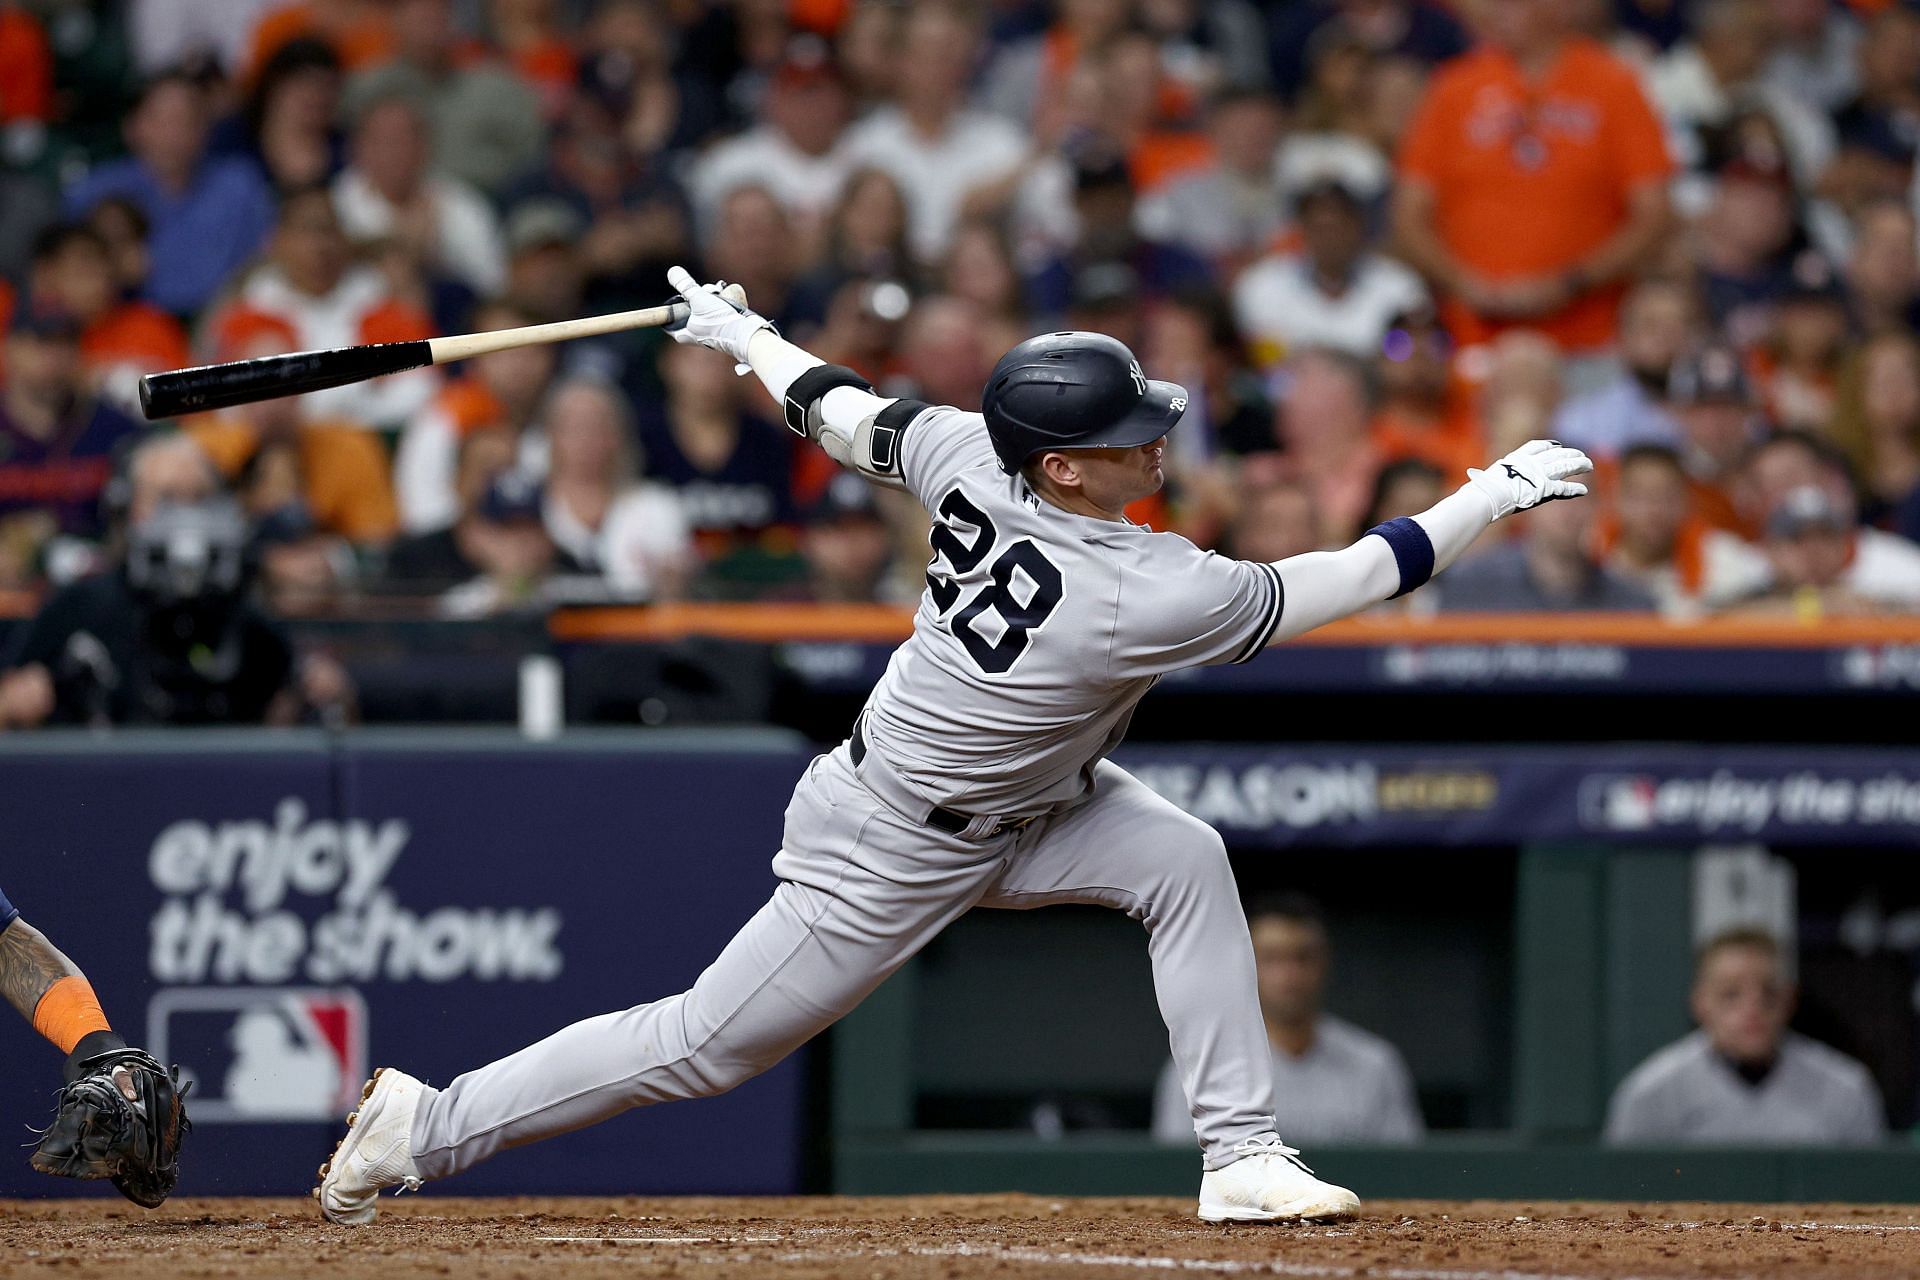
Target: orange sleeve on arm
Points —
{"points": [[69, 1013]]}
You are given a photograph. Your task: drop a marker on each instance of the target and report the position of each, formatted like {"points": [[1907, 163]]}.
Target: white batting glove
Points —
{"points": [[1534, 473], [714, 319]]}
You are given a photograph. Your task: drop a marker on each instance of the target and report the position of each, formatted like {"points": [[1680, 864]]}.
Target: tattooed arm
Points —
{"points": [[29, 964]]}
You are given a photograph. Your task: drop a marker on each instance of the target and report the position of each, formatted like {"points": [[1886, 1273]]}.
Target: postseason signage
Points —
{"points": [[279, 915], [1284, 796]]}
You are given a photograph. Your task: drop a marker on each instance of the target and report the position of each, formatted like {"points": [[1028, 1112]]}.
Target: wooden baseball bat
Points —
{"points": [[218, 386]]}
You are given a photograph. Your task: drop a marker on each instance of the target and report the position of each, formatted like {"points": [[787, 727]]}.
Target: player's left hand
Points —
{"points": [[718, 316], [1534, 473]]}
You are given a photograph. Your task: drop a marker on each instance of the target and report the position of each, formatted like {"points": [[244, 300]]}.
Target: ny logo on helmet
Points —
{"points": [[1139, 378]]}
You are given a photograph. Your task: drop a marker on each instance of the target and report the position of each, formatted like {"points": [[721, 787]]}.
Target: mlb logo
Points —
{"points": [[1615, 802], [263, 1055]]}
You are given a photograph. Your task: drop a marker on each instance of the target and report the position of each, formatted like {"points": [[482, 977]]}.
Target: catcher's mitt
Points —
{"points": [[123, 1119]]}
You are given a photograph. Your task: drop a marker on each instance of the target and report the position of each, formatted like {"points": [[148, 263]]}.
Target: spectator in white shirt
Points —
{"points": [[311, 282], [795, 153], [1815, 45], [1335, 292], [1824, 561], [606, 522], [1743, 1078], [390, 193], [1798, 490], [934, 146], [1332, 1081]]}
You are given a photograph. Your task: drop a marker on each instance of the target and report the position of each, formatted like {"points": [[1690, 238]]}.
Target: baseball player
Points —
{"points": [[976, 774], [120, 1115]]}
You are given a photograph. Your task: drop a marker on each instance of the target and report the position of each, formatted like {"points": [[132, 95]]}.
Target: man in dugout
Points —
{"points": [[1743, 1078], [1331, 1079]]}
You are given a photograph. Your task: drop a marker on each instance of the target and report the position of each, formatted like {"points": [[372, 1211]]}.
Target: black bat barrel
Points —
{"points": [[217, 386]]}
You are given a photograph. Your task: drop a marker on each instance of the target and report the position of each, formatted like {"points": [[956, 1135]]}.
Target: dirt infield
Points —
{"points": [[948, 1238]]}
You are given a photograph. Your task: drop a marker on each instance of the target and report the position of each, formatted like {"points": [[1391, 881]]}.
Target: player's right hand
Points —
{"points": [[715, 319], [1534, 473]]}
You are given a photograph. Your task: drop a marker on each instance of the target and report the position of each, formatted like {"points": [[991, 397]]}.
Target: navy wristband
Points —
{"points": [[1412, 551]]}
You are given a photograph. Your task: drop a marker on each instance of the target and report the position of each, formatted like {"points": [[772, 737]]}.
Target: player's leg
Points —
{"points": [[862, 890], [1129, 849]]}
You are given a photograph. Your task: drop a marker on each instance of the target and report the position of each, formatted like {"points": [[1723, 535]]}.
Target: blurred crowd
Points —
{"points": [[1378, 240]]}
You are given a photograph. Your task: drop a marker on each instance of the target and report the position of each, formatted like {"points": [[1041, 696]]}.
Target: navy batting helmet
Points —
{"points": [[1074, 391]]}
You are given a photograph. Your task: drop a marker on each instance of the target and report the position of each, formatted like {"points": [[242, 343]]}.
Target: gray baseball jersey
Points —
{"points": [[1040, 630], [1686, 1093]]}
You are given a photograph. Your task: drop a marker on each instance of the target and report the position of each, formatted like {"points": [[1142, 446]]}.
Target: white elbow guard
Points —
{"points": [[873, 446]]}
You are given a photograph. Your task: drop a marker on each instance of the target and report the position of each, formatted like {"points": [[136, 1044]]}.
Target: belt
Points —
{"points": [[939, 818]]}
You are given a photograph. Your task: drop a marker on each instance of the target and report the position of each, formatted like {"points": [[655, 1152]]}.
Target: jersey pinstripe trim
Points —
{"points": [[1270, 617]]}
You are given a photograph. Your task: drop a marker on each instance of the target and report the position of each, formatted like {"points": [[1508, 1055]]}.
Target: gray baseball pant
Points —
{"points": [[862, 889]]}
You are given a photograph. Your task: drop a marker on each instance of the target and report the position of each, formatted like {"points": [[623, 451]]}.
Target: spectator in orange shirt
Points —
{"points": [[1420, 416], [1533, 180], [120, 339], [334, 472], [311, 284], [26, 80], [528, 33], [500, 392]]}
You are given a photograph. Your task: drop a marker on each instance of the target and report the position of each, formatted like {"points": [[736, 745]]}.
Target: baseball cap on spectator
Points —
{"points": [[514, 496], [1101, 171], [540, 224], [45, 322], [1311, 161], [848, 496], [1807, 509], [1712, 375]]}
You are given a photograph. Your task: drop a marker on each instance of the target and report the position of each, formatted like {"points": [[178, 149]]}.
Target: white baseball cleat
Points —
{"points": [[375, 1153], [1269, 1184]]}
